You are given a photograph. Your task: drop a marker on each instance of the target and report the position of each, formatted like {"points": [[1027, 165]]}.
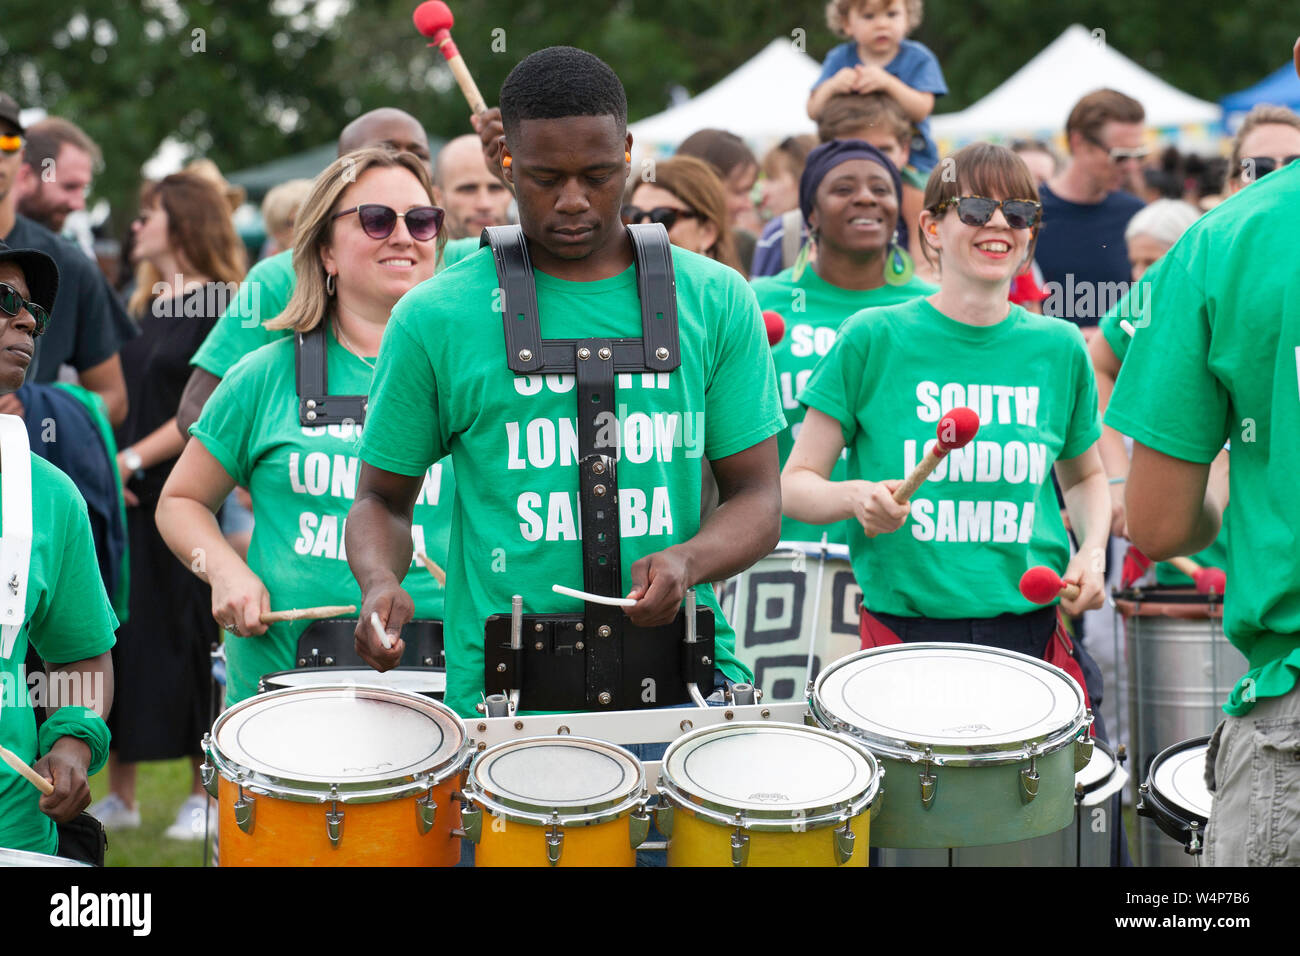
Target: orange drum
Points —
{"points": [[337, 775]]}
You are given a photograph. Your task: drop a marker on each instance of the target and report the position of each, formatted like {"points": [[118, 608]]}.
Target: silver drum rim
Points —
{"points": [[954, 754]]}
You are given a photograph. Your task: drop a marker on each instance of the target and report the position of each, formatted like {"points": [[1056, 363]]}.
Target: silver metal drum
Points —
{"points": [[1086, 842], [1181, 668], [1175, 799], [23, 858]]}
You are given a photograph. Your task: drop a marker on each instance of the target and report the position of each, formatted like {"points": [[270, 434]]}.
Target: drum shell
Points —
{"points": [[293, 833], [515, 843], [973, 805], [696, 841]]}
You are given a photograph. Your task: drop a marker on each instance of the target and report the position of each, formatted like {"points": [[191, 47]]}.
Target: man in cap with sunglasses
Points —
{"points": [[89, 324], [1081, 251], [66, 613]]}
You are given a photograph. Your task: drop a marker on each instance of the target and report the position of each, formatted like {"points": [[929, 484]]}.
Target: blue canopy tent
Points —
{"points": [[1281, 88]]}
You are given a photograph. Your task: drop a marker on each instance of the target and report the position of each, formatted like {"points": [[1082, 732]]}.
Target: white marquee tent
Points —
{"points": [[1038, 98], [762, 102]]}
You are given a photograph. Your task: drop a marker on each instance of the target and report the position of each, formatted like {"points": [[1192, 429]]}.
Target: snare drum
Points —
{"points": [[427, 681], [776, 607], [24, 858], [556, 801], [1176, 798], [766, 794], [980, 745], [336, 776]]}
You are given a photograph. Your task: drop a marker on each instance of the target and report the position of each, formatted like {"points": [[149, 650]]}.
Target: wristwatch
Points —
{"points": [[133, 460]]}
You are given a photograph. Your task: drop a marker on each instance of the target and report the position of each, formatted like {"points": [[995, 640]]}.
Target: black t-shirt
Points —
{"points": [[1083, 254], [88, 324]]}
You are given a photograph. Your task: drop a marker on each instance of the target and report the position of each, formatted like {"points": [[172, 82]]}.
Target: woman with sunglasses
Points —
{"points": [[946, 566], [365, 235], [850, 195], [689, 200]]}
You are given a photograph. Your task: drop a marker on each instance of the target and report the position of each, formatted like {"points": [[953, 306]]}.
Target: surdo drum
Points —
{"points": [[556, 801], [766, 794], [979, 745], [336, 776], [1175, 797]]}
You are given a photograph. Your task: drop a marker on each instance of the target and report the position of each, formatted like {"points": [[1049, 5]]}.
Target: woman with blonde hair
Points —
{"points": [[366, 235], [688, 198]]}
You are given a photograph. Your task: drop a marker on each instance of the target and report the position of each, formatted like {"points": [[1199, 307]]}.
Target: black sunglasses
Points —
{"points": [[12, 304], [978, 210], [378, 221], [1263, 165], [666, 215]]}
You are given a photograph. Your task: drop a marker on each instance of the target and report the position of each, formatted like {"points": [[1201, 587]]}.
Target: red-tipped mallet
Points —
{"points": [[955, 430], [1042, 585], [434, 20], [775, 326], [1208, 580]]}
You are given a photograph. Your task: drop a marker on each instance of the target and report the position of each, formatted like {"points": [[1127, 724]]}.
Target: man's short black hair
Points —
{"points": [[558, 82]]}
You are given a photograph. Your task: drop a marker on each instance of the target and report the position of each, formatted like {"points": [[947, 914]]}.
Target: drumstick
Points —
{"points": [[431, 566], [1042, 585], [433, 19], [1186, 565], [955, 430], [1208, 580], [36, 780], [593, 598], [379, 629], [298, 614]]}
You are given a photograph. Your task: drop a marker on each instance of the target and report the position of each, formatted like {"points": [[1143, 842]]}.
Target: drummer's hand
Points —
{"points": [[65, 766], [239, 598], [874, 506], [492, 134], [395, 608], [1088, 570], [659, 583], [1118, 514]]}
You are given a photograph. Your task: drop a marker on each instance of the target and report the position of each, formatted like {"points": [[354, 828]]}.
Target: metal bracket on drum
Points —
{"points": [[245, 809], [844, 842], [1194, 845], [744, 694], [554, 841], [208, 770], [1029, 778], [1083, 746], [639, 824], [664, 818], [471, 822], [426, 811], [739, 844], [929, 782]]}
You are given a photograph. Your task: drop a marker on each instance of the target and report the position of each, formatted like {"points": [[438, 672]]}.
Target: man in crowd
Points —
{"points": [[472, 196], [88, 324], [1081, 248], [59, 161]]}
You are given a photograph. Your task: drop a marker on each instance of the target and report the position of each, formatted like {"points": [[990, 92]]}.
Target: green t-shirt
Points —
{"points": [[1133, 309], [443, 387], [989, 511], [262, 296], [1220, 360], [68, 619], [813, 310], [303, 481]]}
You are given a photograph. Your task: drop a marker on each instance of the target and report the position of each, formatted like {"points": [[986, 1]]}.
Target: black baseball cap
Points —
{"points": [[9, 110], [41, 273]]}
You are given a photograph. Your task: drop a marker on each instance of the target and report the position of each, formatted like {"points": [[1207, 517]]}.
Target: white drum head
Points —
{"points": [[958, 699], [23, 858], [558, 774], [1180, 779], [413, 681], [1099, 768], [338, 735], [777, 770]]}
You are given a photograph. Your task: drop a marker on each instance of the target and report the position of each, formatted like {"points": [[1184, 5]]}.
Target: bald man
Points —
{"points": [[472, 196]]}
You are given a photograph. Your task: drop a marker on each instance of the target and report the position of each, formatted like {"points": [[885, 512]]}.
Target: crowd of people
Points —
{"points": [[193, 473]]}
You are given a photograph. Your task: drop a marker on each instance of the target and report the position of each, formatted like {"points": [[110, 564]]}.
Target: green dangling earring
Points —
{"points": [[899, 267]]}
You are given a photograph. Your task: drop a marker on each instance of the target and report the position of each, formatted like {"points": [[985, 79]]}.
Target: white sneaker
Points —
{"points": [[189, 824], [113, 813]]}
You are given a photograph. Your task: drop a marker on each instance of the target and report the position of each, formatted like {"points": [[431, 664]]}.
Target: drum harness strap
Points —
{"points": [[16, 543], [600, 661]]}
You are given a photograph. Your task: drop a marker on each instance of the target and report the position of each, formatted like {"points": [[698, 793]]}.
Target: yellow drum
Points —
{"points": [[555, 801], [765, 794]]}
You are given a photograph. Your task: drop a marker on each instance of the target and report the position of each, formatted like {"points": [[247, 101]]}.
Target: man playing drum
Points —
{"points": [[1220, 361], [443, 386]]}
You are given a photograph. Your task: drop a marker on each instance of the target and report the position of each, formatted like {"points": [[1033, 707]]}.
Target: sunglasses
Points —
{"points": [[1120, 154], [665, 215], [12, 304], [378, 222], [978, 210], [1263, 165], [11, 143]]}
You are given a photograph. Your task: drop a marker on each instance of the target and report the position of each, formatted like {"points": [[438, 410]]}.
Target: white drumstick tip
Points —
{"points": [[593, 598], [379, 629]]}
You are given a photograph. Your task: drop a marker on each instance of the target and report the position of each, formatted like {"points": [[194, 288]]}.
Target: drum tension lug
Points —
{"points": [[245, 810], [554, 841], [739, 844], [426, 812], [334, 820], [1193, 847], [471, 823], [639, 826], [664, 818], [844, 840], [929, 782], [207, 771], [1029, 778]]}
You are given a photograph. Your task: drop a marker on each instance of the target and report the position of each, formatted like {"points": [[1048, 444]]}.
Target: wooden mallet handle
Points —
{"points": [[955, 430], [431, 566], [1186, 565], [1042, 585], [434, 20], [314, 613], [36, 780]]}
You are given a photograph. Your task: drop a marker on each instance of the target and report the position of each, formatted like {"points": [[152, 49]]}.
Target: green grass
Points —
{"points": [[160, 790]]}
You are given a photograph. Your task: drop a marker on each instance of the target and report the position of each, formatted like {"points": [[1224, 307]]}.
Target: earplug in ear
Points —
{"points": [[505, 162], [628, 154]]}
